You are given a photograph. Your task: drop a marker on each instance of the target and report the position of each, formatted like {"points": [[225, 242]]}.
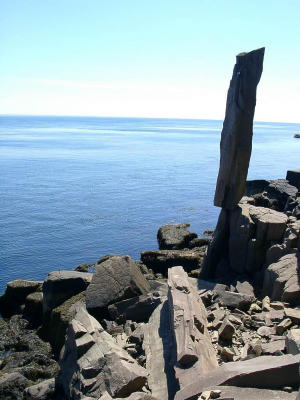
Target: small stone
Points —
{"points": [[226, 330], [227, 354], [288, 389], [266, 331], [215, 337], [284, 325], [254, 308], [266, 304]]}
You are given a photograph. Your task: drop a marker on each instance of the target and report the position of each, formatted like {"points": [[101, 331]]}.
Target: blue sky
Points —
{"points": [[145, 58]]}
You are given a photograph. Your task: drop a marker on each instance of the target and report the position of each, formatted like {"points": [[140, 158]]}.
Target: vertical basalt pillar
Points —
{"points": [[236, 138]]}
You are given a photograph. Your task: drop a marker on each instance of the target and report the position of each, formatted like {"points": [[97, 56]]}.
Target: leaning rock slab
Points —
{"points": [[189, 320], [61, 285], [118, 278], [261, 372], [92, 363], [236, 138]]}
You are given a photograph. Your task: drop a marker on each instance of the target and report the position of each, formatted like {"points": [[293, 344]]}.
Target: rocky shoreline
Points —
{"points": [[212, 317]]}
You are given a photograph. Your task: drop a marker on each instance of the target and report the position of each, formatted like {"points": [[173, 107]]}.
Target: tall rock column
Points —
{"points": [[235, 148], [236, 138]]}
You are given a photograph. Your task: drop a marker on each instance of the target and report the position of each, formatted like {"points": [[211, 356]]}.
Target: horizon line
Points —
{"points": [[132, 117]]}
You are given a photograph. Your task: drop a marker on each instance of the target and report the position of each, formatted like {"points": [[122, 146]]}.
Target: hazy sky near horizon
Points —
{"points": [[139, 58]]}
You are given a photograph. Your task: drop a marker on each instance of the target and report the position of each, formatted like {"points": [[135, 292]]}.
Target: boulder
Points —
{"points": [[118, 278], [12, 386], [161, 260], [13, 299], [260, 372], [293, 314], [34, 306], [281, 279], [236, 137], [174, 237], [235, 300], [92, 363], [239, 393], [54, 328], [59, 286], [188, 321], [281, 191], [256, 186], [44, 390], [137, 309]]}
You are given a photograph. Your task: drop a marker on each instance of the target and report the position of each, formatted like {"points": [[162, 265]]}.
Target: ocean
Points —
{"points": [[73, 189]]}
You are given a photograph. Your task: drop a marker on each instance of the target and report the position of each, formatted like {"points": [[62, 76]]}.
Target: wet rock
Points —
{"points": [[15, 294], [12, 386], [92, 362], [59, 286], [118, 278], [34, 307], [54, 328], [24, 352], [281, 279], [236, 139], [161, 260], [174, 237]]}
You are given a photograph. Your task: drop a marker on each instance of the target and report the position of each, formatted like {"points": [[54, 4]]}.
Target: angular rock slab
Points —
{"points": [[92, 363], [282, 279], [261, 372], [59, 286], [159, 350], [118, 278], [236, 138], [189, 320]]}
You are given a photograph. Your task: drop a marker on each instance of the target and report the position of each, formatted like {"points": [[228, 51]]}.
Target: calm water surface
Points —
{"points": [[74, 189]]}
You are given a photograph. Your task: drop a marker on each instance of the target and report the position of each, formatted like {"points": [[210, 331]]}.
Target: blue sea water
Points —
{"points": [[73, 189]]}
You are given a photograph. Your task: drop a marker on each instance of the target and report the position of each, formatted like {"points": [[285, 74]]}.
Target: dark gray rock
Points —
{"points": [[12, 386], [137, 309], [281, 191], [174, 237], [13, 299], [256, 186], [118, 278], [293, 177], [59, 286], [236, 138], [34, 307], [161, 260]]}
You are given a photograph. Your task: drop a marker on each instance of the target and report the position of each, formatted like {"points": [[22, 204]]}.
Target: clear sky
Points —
{"points": [[158, 58]]}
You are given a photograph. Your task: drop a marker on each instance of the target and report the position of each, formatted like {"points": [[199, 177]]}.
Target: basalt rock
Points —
{"points": [[282, 279], [118, 278], [92, 363], [236, 138], [174, 237], [59, 286]]}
